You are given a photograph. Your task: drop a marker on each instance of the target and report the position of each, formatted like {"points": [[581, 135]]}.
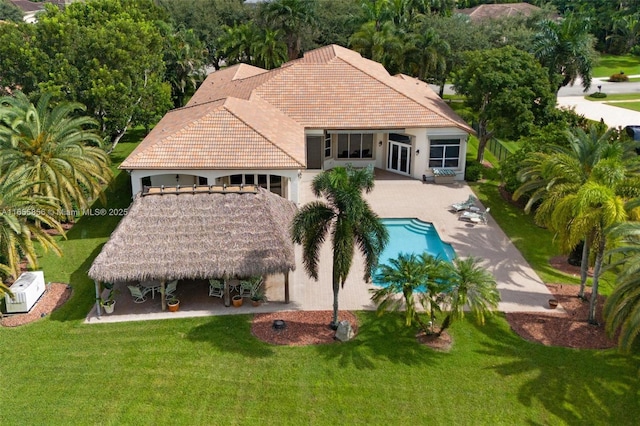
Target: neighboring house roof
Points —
{"points": [[199, 235], [494, 11], [329, 88], [28, 6]]}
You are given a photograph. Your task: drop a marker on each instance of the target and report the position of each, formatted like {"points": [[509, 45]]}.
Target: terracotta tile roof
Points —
{"points": [[226, 134], [494, 11], [329, 88]]}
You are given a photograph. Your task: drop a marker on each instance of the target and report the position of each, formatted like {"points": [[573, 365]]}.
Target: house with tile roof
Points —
{"points": [[247, 125], [484, 12]]}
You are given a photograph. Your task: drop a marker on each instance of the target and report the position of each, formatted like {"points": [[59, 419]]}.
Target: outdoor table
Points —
{"points": [[153, 285]]}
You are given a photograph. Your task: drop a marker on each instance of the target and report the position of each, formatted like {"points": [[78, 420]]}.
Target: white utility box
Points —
{"points": [[26, 291]]}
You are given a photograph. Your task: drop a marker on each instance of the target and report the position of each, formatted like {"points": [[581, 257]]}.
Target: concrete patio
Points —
{"points": [[394, 196]]}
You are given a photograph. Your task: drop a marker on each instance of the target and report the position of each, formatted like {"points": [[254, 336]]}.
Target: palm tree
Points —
{"points": [[566, 49], [427, 54], [268, 50], [590, 211], [20, 212], [627, 32], [622, 309], [56, 150], [382, 45], [185, 58], [237, 42], [409, 275], [550, 177], [348, 218], [293, 17], [471, 286]]}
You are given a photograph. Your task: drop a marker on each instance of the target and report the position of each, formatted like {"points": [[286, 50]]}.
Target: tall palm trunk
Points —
{"points": [[594, 287], [584, 265], [336, 290]]}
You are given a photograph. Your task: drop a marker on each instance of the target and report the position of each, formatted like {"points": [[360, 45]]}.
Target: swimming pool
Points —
{"points": [[414, 236]]}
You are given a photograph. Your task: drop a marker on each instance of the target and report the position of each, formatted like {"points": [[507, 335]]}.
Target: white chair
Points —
{"points": [[464, 205], [475, 217], [137, 293], [216, 288]]}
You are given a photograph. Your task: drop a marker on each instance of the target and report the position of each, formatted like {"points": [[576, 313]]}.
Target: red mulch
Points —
{"points": [[53, 297], [302, 327]]}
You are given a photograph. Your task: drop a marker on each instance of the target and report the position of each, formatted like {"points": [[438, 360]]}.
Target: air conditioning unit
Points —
{"points": [[26, 291]]}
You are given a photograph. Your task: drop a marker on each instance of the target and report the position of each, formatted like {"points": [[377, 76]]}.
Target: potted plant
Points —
{"points": [[553, 303], [237, 300], [109, 303], [257, 298], [173, 304]]}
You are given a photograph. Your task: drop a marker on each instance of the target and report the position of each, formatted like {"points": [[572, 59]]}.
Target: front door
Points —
{"points": [[399, 158]]}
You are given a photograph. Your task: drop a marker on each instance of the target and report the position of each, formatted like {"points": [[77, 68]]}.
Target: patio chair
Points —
{"points": [[475, 217], [464, 205], [216, 288], [137, 294], [249, 287], [170, 289]]}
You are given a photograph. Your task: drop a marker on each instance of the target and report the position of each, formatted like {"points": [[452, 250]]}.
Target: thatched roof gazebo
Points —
{"points": [[199, 232]]}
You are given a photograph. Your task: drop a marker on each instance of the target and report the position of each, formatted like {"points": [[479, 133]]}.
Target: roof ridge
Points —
{"points": [[159, 141], [266, 137], [396, 89]]}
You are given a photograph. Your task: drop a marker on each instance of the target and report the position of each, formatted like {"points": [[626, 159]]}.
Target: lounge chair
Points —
{"points": [[475, 217], [137, 293], [216, 288], [464, 205], [249, 287]]}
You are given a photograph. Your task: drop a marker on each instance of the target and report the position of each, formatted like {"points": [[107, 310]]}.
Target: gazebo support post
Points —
{"points": [[286, 287], [163, 297], [227, 298], [98, 299]]}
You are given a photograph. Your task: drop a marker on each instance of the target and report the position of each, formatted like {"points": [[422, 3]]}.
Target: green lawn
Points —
{"points": [[634, 106], [610, 64], [211, 370], [616, 97]]}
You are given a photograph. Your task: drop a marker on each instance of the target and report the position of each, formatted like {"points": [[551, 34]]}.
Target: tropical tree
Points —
{"points": [[437, 285], [268, 50], [427, 54], [237, 42], [626, 32], [349, 220], [410, 275], [508, 102], [566, 48], [21, 212], [295, 18], [382, 45], [184, 58], [548, 177], [55, 150], [622, 308], [10, 12]]}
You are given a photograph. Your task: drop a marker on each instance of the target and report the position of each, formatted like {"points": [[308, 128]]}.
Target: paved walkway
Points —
{"points": [[393, 196]]}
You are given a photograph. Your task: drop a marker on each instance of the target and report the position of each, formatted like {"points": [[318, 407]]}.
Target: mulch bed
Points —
{"points": [[54, 296]]}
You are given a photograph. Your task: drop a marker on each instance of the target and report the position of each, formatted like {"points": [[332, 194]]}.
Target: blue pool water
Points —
{"points": [[414, 236]]}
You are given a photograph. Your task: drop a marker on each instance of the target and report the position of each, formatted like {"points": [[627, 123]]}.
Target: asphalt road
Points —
{"points": [[573, 97]]}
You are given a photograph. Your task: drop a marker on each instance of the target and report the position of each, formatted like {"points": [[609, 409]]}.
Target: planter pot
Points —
{"points": [[109, 306], [173, 306], [256, 302], [553, 303], [237, 301]]}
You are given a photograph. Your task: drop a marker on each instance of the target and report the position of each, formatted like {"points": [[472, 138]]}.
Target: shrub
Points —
{"points": [[473, 171], [491, 173], [598, 95], [617, 78]]}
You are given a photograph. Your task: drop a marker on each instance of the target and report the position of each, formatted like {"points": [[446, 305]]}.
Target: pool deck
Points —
{"points": [[394, 196]]}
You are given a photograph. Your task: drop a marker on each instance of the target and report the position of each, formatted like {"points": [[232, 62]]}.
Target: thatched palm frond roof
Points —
{"points": [[199, 235]]}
